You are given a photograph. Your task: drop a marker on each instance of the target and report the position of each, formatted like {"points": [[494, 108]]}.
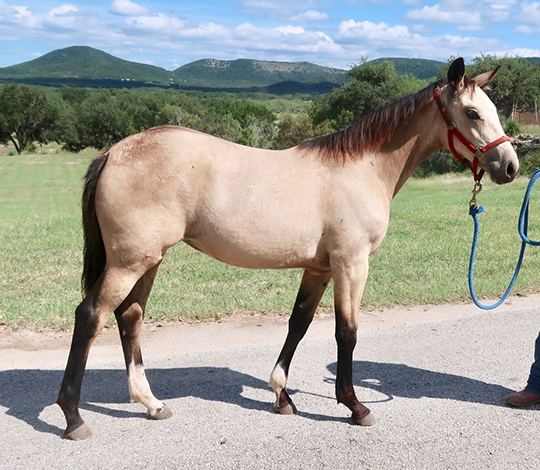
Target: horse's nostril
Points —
{"points": [[511, 170]]}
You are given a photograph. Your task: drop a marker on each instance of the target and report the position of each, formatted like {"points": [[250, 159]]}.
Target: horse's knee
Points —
{"points": [[346, 337]]}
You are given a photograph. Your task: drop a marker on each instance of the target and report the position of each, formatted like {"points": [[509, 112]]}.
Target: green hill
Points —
{"points": [[247, 73], [85, 66], [81, 62], [425, 69]]}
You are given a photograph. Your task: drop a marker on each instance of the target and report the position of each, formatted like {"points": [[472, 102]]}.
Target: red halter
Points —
{"points": [[454, 131]]}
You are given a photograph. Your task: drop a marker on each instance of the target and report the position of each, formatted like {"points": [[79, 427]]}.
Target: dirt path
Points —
{"points": [[18, 348]]}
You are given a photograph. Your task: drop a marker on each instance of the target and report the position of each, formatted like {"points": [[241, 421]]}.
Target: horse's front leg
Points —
{"points": [[349, 281], [311, 290]]}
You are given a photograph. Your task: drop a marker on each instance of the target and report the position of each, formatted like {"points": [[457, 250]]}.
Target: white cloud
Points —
{"points": [[290, 29], [168, 27], [436, 14], [352, 30], [277, 30], [285, 9], [310, 16], [502, 3], [152, 24], [22, 12], [383, 40], [530, 13], [525, 29], [65, 21], [283, 38], [522, 52], [58, 20], [63, 10], [127, 8]]}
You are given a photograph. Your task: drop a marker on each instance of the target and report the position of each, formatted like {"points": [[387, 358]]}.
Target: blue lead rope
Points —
{"points": [[523, 224]]}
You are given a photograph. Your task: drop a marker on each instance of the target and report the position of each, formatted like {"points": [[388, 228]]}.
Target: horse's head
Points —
{"points": [[475, 134]]}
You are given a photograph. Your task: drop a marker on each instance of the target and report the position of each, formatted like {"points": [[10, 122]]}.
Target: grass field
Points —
{"points": [[423, 260]]}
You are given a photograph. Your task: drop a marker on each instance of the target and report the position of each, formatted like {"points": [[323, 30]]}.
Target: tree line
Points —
{"points": [[78, 118]]}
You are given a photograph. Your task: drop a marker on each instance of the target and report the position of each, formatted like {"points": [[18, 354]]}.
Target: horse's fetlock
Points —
{"points": [[346, 396], [278, 378]]}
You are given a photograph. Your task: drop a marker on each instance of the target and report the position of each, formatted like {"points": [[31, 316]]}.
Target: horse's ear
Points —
{"points": [[456, 72], [484, 79]]}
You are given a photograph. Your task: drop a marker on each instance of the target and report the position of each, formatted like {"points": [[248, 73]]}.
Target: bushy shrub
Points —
{"points": [[529, 163], [511, 127]]}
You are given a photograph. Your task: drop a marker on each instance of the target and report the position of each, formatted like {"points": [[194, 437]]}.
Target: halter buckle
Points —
{"points": [[476, 190], [479, 154]]}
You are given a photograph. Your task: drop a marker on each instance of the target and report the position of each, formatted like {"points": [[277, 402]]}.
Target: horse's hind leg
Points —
{"points": [[311, 290], [110, 290], [129, 316]]}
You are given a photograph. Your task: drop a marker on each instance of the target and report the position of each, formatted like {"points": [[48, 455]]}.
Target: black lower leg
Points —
{"points": [[346, 340], [86, 325], [307, 300]]}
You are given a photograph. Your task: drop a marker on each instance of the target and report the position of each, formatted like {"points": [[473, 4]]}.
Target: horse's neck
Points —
{"points": [[409, 147]]}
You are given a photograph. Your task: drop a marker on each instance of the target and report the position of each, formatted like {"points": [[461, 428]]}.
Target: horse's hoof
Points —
{"points": [[284, 405], [162, 413], [79, 434], [367, 420], [287, 409]]}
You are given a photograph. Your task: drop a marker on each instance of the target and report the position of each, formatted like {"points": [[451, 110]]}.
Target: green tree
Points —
{"points": [[26, 116], [99, 121], [517, 85], [373, 86], [292, 131], [99, 118]]}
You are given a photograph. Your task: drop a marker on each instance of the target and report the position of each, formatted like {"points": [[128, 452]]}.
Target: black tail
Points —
{"points": [[94, 249]]}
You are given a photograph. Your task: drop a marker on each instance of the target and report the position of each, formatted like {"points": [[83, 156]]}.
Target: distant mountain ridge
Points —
{"points": [[84, 62], [86, 66], [247, 72], [425, 69]]}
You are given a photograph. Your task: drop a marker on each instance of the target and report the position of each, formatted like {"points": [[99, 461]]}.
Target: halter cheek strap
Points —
{"points": [[453, 131]]}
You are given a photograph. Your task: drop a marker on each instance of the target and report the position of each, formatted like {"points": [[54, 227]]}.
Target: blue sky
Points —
{"points": [[171, 33]]}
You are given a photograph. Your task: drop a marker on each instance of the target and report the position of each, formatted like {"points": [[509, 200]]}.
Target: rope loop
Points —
{"points": [[523, 223]]}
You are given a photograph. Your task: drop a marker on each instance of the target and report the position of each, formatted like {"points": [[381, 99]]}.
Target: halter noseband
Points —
{"points": [[454, 131]]}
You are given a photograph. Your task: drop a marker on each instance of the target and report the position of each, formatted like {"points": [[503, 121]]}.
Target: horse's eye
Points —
{"points": [[472, 114]]}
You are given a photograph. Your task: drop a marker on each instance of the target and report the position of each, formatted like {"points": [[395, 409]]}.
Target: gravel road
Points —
{"points": [[435, 377]]}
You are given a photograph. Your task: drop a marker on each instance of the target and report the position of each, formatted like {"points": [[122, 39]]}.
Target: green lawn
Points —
{"points": [[424, 258]]}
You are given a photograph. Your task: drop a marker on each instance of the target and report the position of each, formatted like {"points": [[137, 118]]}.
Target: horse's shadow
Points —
{"points": [[25, 393], [400, 380]]}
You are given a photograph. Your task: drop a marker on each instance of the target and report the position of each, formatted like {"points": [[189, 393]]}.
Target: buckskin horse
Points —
{"points": [[323, 206]]}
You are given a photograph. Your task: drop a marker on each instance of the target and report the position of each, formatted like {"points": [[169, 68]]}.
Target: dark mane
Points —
{"points": [[372, 130]]}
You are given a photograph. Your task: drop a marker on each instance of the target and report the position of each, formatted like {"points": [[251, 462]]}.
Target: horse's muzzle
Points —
{"points": [[502, 172]]}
